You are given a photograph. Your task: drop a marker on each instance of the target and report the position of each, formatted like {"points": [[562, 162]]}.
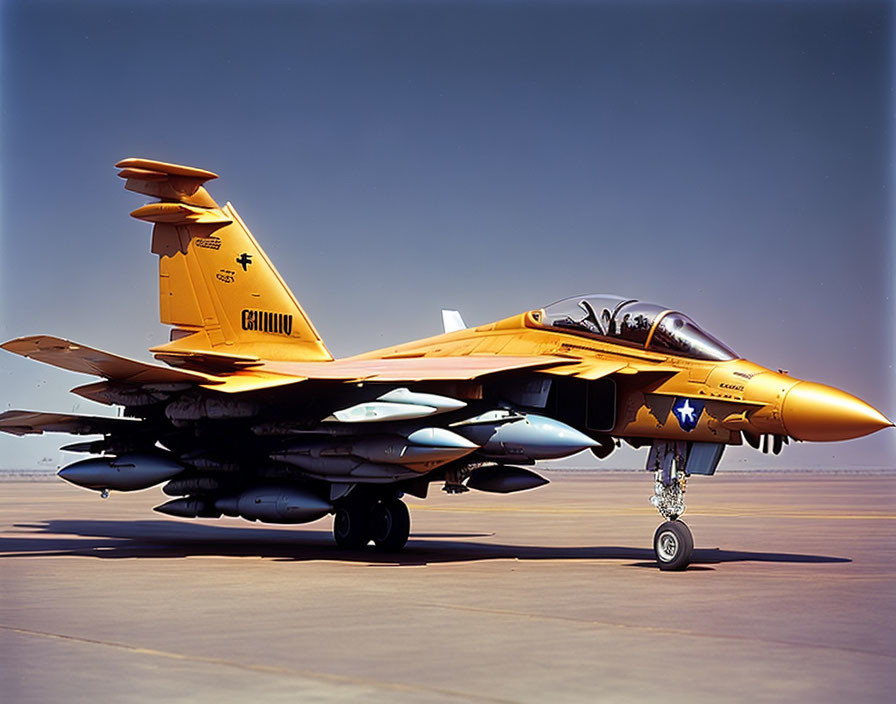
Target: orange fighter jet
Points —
{"points": [[253, 417]]}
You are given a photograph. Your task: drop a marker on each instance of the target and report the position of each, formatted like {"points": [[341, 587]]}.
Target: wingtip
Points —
{"points": [[163, 167], [35, 343], [18, 345]]}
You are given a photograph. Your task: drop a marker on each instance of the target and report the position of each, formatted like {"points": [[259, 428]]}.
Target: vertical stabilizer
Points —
{"points": [[217, 287]]}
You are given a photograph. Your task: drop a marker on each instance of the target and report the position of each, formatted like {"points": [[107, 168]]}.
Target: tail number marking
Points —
{"points": [[265, 321]]}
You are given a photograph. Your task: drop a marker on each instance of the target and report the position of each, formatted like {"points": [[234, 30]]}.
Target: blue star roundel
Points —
{"points": [[687, 411]]}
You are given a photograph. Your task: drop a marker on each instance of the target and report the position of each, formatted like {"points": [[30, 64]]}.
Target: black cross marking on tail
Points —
{"points": [[244, 260]]}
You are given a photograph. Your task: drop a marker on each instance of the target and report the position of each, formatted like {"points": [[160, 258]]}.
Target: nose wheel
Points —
{"points": [[673, 545]]}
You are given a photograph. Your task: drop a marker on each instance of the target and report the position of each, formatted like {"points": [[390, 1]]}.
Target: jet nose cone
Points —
{"points": [[820, 413]]}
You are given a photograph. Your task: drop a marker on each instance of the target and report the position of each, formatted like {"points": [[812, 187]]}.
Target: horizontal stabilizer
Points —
{"points": [[204, 361], [251, 380], [181, 214], [36, 422], [86, 360], [162, 169], [167, 181]]}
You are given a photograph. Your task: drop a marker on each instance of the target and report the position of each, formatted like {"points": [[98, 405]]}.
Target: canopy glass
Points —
{"points": [[646, 325]]}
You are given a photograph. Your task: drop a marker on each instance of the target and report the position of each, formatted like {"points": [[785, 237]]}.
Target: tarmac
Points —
{"points": [[546, 595]]}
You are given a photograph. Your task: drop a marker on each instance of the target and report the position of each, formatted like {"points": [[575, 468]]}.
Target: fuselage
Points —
{"points": [[732, 398]]}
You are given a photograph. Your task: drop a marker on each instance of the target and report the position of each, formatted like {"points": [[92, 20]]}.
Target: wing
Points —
{"points": [[37, 423], [412, 368], [242, 373], [75, 357]]}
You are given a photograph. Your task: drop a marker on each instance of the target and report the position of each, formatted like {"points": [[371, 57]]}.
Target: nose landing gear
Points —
{"points": [[673, 543]]}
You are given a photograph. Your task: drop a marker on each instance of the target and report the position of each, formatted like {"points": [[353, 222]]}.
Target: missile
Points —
{"points": [[310, 459], [129, 472], [438, 437], [184, 508], [395, 405], [377, 411], [274, 504], [394, 449], [209, 463], [442, 404], [529, 437], [495, 417], [344, 466], [423, 449], [92, 447], [502, 479], [182, 487]]}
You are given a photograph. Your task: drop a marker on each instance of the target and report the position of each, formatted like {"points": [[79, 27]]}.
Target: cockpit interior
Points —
{"points": [[647, 325]]}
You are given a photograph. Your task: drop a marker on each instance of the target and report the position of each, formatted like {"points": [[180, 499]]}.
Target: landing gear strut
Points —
{"points": [[386, 522], [673, 543]]}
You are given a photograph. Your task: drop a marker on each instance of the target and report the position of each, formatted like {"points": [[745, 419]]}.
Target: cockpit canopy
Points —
{"points": [[646, 325]]}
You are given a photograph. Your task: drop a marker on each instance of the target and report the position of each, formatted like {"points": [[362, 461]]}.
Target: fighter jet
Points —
{"points": [[251, 416]]}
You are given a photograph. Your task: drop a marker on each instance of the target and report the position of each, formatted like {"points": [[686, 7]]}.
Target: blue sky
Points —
{"points": [[729, 159]]}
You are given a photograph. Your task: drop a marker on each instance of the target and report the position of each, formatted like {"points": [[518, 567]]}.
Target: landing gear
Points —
{"points": [[390, 524], [351, 526], [673, 543], [386, 522]]}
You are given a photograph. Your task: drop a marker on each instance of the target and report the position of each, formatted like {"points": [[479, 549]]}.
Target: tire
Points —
{"points": [[390, 525], [351, 527], [673, 545]]}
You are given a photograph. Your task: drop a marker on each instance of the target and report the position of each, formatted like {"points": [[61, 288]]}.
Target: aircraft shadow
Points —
{"points": [[169, 539]]}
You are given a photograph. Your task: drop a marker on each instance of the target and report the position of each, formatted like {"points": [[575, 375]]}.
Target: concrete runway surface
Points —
{"points": [[548, 595]]}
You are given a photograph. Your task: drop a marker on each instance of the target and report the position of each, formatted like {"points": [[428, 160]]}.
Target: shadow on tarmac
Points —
{"points": [[169, 539]]}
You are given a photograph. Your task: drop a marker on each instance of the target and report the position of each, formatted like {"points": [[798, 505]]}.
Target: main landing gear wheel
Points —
{"points": [[673, 545], [351, 526], [390, 525]]}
